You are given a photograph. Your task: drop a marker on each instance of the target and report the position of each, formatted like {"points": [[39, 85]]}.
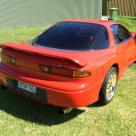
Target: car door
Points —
{"points": [[125, 44], [130, 49]]}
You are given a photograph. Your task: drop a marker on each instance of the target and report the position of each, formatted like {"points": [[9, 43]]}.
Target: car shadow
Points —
{"points": [[94, 105], [34, 112]]}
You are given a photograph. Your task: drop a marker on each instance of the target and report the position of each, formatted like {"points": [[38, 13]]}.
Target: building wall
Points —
{"points": [[126, 7], [31, 13], [104, 7]]}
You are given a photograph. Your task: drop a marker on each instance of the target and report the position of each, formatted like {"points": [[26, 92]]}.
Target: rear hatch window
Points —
{"points": [[74, 36]]}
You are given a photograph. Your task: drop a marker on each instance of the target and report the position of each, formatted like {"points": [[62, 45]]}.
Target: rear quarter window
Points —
{"points": [[120, 33]]}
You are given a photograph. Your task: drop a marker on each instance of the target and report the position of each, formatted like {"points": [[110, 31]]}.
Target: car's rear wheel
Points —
{"points": [[109, 86]]}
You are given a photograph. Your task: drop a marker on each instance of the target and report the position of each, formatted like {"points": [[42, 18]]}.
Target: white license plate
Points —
{"points": [[27, 87]]}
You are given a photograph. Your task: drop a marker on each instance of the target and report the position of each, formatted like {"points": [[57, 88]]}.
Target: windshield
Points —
{"points": [[74, 36]]}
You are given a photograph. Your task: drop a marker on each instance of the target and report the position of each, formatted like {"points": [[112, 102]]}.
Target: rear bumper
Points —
{"points": [[57, 97]]}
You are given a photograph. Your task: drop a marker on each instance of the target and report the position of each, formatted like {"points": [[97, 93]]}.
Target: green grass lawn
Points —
{"points": [[20, 116]]}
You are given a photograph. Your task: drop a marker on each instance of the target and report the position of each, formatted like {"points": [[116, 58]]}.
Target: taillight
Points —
{"points": [[78, 74], [48, 69], [4, 58], [65, 72], [62, 72], [7, 59]]}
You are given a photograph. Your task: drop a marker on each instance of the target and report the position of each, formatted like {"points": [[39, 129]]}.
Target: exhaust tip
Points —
{"points": [[63, 111]]}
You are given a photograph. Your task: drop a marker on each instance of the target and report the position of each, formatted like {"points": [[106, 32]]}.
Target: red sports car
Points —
{"points": [[72, 64]]}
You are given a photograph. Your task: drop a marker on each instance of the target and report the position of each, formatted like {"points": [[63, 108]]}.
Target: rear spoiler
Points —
{"points": [[25, 47]]}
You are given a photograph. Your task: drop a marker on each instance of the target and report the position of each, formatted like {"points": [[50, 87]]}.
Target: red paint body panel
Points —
{"points": [[65, 91]]}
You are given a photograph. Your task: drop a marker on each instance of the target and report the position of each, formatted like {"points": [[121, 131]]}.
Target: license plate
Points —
{"points": [[26, 87]]}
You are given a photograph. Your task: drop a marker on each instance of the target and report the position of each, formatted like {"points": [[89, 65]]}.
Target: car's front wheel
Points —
{"points": [[109, 86]]}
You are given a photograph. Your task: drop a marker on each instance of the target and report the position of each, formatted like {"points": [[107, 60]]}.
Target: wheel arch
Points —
{"points": [[117, 67]]}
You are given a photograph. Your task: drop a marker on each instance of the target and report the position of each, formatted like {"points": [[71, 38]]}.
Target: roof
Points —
{"points": [[102, 22]]}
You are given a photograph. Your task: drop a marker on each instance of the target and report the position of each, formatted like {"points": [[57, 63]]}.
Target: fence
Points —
{"points": [[126, 7]]}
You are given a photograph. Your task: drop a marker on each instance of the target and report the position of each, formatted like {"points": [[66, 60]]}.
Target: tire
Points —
{"points": [[108, 87]]}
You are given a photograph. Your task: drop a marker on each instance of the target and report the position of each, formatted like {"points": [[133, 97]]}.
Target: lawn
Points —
{"points": [[20, 116]]}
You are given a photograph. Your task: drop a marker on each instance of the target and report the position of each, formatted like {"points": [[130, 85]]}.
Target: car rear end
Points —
{"points": [[57, 67], [45, 78]]}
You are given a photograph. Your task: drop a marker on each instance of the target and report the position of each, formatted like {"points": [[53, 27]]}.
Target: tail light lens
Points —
{"points": [[62, 72], [7, 59], [65, 72], [4, 58], [78, 74]]}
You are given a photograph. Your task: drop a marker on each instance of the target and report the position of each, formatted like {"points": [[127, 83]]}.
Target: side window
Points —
{"points": [[120, 33]]}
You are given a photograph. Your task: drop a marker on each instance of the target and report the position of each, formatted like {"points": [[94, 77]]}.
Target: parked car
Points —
{"points": [[74, 63]]}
